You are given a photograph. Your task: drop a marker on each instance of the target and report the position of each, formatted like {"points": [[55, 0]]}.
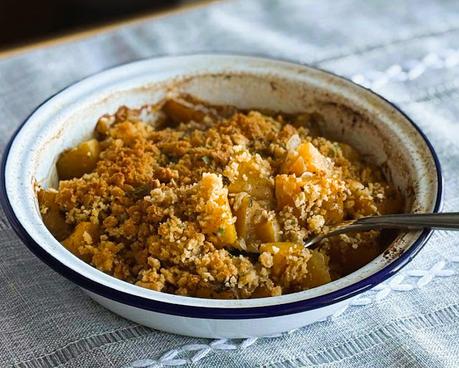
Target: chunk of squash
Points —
{"points": [[251, 181], [268, 231], [182, 111], [306, 158], [244, 215], [281, 248], [287, 187], [216, 217], [84, 233], [335, 211], [317, 264], [261, 292], [52, 216], [280, 251], [77, 161], [226, 233], [318, 271], [251, 227]]}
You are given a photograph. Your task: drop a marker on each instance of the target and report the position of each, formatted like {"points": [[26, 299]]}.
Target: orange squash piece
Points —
{"points": [[77, 161], [306, 158]]}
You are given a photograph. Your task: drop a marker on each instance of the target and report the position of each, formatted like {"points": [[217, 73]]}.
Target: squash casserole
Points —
{"points": [[212, 202]]}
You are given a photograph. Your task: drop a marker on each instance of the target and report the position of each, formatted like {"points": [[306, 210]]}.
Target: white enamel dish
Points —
{"points": [[353, 115]]}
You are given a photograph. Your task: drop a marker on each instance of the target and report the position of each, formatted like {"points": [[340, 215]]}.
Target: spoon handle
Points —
{"points": [[406, 221], [440, 221]]}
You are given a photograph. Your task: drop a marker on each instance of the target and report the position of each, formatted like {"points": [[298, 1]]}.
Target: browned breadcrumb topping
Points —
{"points": [[213, 205]]}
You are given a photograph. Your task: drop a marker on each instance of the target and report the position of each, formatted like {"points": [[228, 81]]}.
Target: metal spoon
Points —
{"points": [[407, 221]]}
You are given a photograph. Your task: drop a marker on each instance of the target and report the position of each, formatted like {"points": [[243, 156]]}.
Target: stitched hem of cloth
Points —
{"points": [[76, 348], [448, 315], [369, 48], [433, 93]]}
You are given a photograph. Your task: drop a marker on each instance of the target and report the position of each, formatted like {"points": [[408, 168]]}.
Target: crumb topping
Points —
{"points": [[209, 204]]}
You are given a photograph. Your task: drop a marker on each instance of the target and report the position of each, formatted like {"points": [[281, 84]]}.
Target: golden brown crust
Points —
{"points": [[159, 210]]}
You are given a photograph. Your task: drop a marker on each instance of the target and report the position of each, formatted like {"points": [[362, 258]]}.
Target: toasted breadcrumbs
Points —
{"points": [[215, 203]]}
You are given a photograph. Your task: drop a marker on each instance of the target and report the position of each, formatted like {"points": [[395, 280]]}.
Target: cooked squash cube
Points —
{"points": [[317, 264], [280, 251], [287, 188], [253, 228], [268, 231], [315, 161], [318, 271], [244, 215], [261, 292], [215, 216], [182, 112], [281, 248], [335, 211], [84, 233], [52, 216], [250, 180], [306, 158], [226, 233], [77, 161]]}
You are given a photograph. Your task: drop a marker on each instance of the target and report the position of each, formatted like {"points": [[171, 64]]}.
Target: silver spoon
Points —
{"points": [[407, 221]]}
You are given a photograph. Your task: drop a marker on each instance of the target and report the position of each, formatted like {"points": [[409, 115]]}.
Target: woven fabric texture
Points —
{"points": [[406, 50]]}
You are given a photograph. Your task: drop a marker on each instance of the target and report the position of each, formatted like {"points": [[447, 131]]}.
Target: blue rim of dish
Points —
{"points": [[215, 312]]}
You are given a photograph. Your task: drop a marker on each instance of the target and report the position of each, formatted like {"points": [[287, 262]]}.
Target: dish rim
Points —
{"points": [[221, 312]]}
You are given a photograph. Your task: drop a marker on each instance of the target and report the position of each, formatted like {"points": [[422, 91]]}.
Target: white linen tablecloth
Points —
{"points": [[406, 50]]}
